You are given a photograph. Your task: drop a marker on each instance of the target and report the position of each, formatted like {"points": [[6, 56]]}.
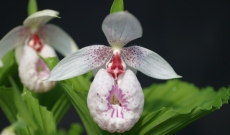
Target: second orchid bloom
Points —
{"points": [[36, 37], [115, 99]]}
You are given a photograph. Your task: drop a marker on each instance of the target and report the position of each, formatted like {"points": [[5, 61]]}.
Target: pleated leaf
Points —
{"points": [[78, 99], [7, 104], [170, 107], [41, 116]]}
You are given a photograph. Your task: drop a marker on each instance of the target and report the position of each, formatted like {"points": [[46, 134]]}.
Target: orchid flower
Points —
{"points": [[36, 37], [115, 99]]}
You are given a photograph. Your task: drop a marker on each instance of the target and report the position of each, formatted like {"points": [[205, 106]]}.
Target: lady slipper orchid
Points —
{"points": [[36, 37], [115, 99]]}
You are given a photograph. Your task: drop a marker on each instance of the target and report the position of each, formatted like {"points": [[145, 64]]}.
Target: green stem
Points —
{"points": [[32, 7]]}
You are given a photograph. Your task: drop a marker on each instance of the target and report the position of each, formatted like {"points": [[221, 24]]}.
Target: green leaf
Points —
{"points": [[61, 132], [117, 6], [51, 62], [56, 101], [80, 83], [41, 116], [78, 99], [12, 104], [7, 104], [9, 68], [32, 7], [170, 107], [75, 129]]}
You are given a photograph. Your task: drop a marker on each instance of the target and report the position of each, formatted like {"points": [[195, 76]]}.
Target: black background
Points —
{"points": [[192, 35]]}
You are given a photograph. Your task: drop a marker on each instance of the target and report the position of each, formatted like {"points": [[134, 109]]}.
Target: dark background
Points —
{"points": [[192, 35]]}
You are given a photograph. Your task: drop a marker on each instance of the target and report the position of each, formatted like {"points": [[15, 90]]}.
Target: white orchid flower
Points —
{"points": [[115, 99], [36, 37]]}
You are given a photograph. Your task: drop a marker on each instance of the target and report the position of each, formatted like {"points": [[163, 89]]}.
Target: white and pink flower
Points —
{"points": [[36, 37], [115, 99]]}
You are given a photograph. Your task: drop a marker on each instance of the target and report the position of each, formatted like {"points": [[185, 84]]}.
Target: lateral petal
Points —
{"points": [[148, 62], [80, 62], [12, 39], [58, 39], [121, 28], [40, 18]]}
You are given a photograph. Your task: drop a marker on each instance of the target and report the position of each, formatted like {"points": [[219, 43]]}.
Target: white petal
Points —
{"points": [[148, 62], [120, 28], [18, 53], [47, 51], [32, 70], [12, 39], [132, 69], [40, 18], [58, 39], [115, 117], [80, 62]]}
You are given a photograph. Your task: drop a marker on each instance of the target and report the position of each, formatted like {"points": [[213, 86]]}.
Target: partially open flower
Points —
{"points": [[36, 37], [115, 98]]}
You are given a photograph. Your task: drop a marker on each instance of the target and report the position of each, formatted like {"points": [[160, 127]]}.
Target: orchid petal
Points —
{"points": [[40, 18], [121, 28], [12, 39], [58, 39], [32, 70], [18, 53], [131, 68], [80, 62], [148, 62], [121, 116]]}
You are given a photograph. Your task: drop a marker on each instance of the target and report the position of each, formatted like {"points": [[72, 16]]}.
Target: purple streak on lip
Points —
{"points": [[117, 92]]}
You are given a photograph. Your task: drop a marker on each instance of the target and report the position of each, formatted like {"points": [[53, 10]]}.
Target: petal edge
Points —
{"points": [[40, 18], [148, 62], [58, 39], [121, 28], [80, 62]]}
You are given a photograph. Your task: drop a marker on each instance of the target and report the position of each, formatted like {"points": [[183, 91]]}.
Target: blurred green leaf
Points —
{"points": [[61, 132], [40, 115], [117, 6], [56, 99], [51, 62], [61, 106], [7, 104], [75, 129], [32, 7], [170, 107], [12, 104], [9, 68]]}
